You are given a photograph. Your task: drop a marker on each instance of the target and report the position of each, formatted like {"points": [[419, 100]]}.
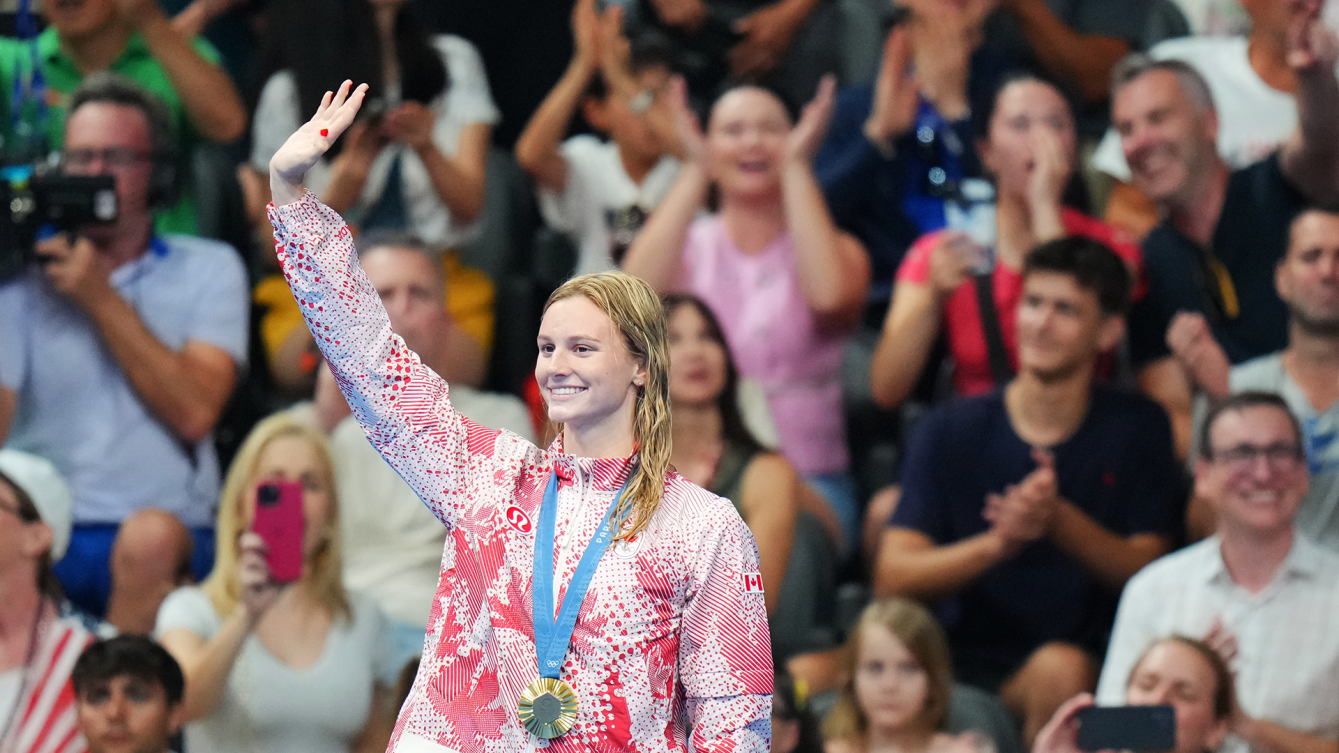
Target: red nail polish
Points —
{"points": [[325, 131]]}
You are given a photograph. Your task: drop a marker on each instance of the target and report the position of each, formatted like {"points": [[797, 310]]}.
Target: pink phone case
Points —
{"points": [[280, 523]]}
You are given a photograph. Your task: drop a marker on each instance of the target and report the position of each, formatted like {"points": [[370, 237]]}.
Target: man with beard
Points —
{"points": [[1023, 512], [1306, 373], [1210, 259]]}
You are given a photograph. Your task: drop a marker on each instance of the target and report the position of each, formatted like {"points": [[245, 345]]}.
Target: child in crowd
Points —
{"points": [[600, 192], [898, 685]]}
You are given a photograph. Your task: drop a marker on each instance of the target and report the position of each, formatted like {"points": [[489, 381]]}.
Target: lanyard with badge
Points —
{"points": [[548, 706]]}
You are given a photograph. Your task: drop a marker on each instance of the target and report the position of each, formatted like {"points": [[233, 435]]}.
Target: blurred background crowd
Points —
{"points": [[1009, 327]]}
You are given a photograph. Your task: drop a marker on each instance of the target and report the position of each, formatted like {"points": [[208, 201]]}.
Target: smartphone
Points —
{"points": [[280, 523], [1135, 728]]}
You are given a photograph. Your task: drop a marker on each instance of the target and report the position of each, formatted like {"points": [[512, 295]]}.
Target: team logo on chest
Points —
{"points": [[516, 518]]}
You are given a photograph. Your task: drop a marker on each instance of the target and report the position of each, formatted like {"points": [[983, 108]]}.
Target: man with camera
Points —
{"points": [[119, 350], [136, 39], [1262, 595]]}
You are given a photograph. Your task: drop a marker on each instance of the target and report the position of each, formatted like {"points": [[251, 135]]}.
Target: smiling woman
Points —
{"points": [[564, 643]]}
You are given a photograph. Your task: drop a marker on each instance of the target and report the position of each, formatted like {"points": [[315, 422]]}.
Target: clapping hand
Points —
{"points": [[1191, 341], [807, 135], [896, 95], [312, 140], [1023, 513], [1311, 44], [690, 145]]}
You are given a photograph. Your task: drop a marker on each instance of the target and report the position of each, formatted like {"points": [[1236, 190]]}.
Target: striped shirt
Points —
{"points": [[671, 650], [46, 717]]}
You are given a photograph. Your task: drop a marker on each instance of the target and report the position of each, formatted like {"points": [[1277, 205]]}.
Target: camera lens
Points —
{"points": [[268, 495]]}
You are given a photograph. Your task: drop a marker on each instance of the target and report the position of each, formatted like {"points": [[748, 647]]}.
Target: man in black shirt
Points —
{"points": [[1210, 261], [1024, 511]]}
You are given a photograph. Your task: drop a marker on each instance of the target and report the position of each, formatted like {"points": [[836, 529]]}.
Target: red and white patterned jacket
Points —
{"points": [[671, 638]]}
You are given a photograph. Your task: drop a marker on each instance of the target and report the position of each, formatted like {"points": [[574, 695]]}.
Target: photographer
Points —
{"points": [[120, 349]]}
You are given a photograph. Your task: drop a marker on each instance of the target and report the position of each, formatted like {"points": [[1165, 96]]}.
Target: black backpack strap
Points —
{"points": [[1000, 369]]}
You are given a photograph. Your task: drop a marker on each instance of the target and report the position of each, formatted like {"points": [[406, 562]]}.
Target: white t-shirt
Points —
{"points": [[1215, 18], [268, 705], [1253, 117], [465, 102], [392, 543], [595, 206]]}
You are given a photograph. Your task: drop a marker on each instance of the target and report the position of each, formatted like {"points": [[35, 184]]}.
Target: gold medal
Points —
{"points": [[548, 708]]}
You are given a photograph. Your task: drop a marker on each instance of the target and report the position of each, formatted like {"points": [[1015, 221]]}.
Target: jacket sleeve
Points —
{"points": [[402, 405], [725, 655]]}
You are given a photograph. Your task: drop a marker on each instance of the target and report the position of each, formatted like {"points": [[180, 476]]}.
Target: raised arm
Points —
{"points": [[657, 254], [208, 96], [1085, 60], [833, 266], [915, 318], [1310, 157], [401, 404], [537, 150]]}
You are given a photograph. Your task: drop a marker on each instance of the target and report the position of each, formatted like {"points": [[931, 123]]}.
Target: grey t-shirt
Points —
{"points": [[270, 706], [1318, 517]]}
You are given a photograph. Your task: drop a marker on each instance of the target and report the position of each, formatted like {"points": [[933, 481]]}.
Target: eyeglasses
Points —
{"points": [[114, 156], [1280, 456]]}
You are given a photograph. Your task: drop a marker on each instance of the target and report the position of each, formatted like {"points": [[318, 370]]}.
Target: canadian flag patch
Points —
{"points": [[753, 583], [517, 519]]}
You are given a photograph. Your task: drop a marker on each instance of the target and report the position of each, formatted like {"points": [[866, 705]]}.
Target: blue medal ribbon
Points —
{"points": [[552, 636]]}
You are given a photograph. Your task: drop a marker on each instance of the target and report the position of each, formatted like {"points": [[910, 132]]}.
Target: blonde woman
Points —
{"points": [[897, 688], [297, 668], [591, 598]]}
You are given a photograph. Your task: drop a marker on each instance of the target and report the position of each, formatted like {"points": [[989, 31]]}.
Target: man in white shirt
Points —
{"points": [[1306, 373], [1263, 595], [600, 192], [392, 544]]}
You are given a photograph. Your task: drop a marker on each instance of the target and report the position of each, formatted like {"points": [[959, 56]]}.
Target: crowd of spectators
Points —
{"points": [[1009, 327]]}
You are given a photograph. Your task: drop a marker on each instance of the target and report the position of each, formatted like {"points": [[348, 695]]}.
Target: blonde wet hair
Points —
{"points": [[637, 313], [921, 634], [322, 569]]}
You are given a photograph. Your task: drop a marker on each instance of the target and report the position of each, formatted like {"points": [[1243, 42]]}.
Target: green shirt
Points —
{"points": [[24, 121]]}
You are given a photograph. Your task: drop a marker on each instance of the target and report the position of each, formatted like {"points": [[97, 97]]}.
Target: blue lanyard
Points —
{"points": [[553, 636], [29, 89]]}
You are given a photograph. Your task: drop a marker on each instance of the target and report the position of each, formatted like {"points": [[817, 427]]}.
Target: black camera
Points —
{"points": [[65, 202]]}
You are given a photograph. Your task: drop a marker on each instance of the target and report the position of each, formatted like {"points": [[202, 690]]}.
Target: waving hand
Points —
{"points": [[313, 139]]}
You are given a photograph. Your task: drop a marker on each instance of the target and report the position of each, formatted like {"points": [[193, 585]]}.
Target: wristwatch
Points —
{"points": [[641, 102]]}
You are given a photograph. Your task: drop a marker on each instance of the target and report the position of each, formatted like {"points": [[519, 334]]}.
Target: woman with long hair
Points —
{"points": [[590, 596], [294, 667], [787, 285], [714, 449], [1027, 147]]}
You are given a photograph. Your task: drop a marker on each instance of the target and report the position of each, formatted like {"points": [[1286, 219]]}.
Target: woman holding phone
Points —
{"points": [[293, 666], [590, 597]]}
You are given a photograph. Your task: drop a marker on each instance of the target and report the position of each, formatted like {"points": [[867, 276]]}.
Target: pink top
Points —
{"points": [[673, 631], [962, 316], [774, 340]]}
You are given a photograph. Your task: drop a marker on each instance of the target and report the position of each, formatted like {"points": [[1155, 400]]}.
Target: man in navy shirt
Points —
{"points": [[1023, 512]]}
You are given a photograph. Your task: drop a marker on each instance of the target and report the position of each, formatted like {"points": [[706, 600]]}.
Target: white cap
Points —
{"points": [[49, 492]]}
